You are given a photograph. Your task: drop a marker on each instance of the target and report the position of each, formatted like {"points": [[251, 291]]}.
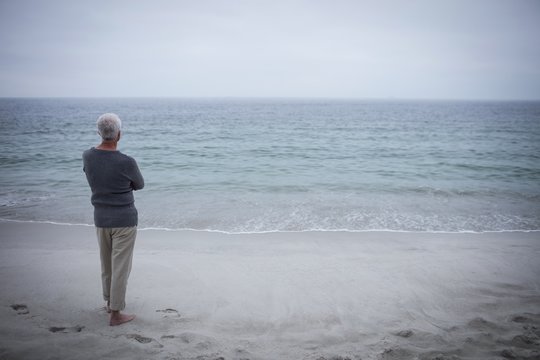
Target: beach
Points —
{"points": [[296, 295], [311, 180]]}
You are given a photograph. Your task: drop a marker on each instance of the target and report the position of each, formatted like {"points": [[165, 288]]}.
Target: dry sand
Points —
{"points": [[311, 295]]}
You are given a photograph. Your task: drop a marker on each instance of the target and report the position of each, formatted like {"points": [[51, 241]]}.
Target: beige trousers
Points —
{"points": [[116, 252]]}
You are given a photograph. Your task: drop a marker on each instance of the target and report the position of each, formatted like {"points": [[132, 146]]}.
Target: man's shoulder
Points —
{"points": [[124, 159], [87, 153], [111, 155], [125, 156]]}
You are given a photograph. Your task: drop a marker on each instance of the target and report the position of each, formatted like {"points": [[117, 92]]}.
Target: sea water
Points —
{"points": [[257, 165]]}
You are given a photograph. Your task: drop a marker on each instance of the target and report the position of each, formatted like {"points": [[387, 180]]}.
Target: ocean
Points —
{"points": [[260, 165]]}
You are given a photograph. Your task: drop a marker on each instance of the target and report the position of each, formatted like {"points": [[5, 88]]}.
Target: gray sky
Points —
{"points": [[471, 49]]}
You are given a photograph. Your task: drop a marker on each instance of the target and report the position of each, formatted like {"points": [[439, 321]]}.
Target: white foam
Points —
{"points": [[345, 230], [44, 222]]}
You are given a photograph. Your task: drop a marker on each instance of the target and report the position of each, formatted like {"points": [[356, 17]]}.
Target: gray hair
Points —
{"points": [[109, 125]]}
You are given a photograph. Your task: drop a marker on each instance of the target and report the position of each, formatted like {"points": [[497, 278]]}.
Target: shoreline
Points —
{"points": [[283, 231], [306, 295]]}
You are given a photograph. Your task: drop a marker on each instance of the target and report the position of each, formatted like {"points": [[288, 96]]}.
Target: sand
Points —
{"points": [[309, 295]]}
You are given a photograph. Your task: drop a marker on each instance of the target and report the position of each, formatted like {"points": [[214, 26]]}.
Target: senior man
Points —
{"points": [[112, 177]]}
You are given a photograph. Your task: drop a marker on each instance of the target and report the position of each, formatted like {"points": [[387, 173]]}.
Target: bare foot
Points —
{"points": [[118, 319]]}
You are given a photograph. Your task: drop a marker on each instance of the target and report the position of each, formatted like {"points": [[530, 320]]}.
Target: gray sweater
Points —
{"points": [[112, 177]]}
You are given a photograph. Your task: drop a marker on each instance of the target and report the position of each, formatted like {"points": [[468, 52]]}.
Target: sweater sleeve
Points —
{"points": [[137, 180]]}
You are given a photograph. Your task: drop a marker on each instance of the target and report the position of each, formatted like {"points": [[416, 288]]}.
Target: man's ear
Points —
{"points": [[119, 135]]}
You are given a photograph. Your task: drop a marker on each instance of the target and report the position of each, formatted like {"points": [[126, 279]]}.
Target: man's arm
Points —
{"points": [[137, 181]]}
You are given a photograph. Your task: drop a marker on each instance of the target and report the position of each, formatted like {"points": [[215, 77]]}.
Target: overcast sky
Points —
{"points": [[471, 49]]}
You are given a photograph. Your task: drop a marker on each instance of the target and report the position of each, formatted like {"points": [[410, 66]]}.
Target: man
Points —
{"points": [[112, 177]]}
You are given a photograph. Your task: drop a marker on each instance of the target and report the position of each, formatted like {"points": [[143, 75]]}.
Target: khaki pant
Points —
{"points": [[116, 252]]}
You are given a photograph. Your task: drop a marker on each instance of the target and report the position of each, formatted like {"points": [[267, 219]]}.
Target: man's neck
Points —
{"points": [[107, 145]]}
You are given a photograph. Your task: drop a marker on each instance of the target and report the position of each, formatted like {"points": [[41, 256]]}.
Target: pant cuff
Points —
{"points": [[117, 307]]}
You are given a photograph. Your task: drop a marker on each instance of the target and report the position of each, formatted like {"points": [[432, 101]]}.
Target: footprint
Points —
{"points": [[524, 341], [144, 340], [404, 333], [76, 328], [21, 309], [168, 311], [508, 354], [520, 319], [479, 323], [139, 338]]}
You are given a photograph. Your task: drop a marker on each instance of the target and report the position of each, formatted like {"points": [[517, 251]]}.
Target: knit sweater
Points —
{"points": [[112, 177]]}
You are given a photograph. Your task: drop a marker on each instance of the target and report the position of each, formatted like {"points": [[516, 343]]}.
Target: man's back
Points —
{"points": [[112, 177]]}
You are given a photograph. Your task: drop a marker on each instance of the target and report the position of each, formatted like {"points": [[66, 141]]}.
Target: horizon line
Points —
{"points": [[389, 98]]}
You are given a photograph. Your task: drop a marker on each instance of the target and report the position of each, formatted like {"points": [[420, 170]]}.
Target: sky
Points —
{"points": [[454, 49]]}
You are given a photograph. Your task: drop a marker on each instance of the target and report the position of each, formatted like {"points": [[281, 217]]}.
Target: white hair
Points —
{"points": [[109, 126]]}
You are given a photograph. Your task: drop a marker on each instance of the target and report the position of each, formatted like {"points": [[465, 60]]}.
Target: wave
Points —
{"points": [[45, 222], [13, 200], [339, 230], [151, 228]]}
